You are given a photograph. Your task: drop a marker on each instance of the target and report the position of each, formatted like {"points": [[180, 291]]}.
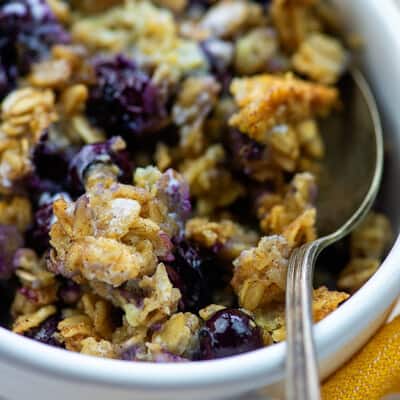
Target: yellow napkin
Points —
{"points": [[373, 372]]}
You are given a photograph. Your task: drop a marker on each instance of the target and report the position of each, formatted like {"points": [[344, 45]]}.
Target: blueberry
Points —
{"points": [[28, 29], [45, 332], [198, 274], [51, 161], [124, 101], [10, 241], [228, 332], [38, 236], [110, 152]]}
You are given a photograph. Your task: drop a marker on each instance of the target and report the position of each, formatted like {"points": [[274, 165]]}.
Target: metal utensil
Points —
{"points": [[349, 184]]}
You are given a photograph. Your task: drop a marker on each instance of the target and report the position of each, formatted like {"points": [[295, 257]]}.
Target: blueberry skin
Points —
{"points": [[228, 332], [197, 274], [28, 30], [124, 101]]}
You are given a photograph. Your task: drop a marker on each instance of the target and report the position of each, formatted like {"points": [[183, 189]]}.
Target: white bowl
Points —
{"points": [[29, 370]]}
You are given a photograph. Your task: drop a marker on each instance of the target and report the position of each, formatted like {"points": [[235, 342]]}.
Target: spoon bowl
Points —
{"points": [[349, 184]]}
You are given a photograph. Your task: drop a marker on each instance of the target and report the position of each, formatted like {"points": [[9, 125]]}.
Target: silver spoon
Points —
{"points": [[350, 182]]}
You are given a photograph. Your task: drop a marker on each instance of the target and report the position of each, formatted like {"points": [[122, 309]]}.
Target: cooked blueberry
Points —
{"points": [[124, 101], [199, 275], [38, 236], [10, 241], [28, 29], [40, 233], [110, 152], [45, 332], [228, 332], [51, 161]]}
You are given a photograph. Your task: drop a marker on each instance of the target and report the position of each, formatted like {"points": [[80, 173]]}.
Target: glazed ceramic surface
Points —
{"points": [[30, 371]]}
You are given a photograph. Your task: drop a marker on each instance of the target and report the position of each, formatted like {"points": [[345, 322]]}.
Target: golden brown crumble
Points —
{"points": [[294, 20], [259, 277], [230, 17], [25, 115], [272, 318], [265, 101], [16, 210], [321, 58], [211, 183], [231, 237], [293, 214], [197, 97]]}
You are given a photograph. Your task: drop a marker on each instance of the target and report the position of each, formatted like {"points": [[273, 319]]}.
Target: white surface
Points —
{"points": [[29, 370]]}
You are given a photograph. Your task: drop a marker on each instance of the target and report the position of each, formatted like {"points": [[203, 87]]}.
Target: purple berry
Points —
{"points": [[45, 332], [10, 241], [124, 101], [228, 332], [198, 275], [110, 152], [38, 236], [28, 29], [51, 162]]}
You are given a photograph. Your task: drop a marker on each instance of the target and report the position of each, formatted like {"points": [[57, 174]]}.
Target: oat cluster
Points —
{"points": [[159, 162]]}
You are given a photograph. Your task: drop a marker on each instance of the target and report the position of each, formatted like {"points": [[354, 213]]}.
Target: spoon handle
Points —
{"points": [[302, 379]]}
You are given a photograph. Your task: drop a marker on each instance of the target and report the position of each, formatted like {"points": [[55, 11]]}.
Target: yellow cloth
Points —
{"points": [[373, 372]]}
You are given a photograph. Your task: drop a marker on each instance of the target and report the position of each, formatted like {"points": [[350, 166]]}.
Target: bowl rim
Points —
{"points": [[264, 365]]}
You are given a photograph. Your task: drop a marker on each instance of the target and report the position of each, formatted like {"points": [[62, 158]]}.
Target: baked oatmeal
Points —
{"points": [[159, 162]]}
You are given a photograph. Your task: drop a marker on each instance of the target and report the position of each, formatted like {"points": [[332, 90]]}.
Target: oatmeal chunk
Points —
{"points": [[74, 329], [231, 237], [26, 322], [265, 101], [293, 214], [372, 237], [210, 182], [16, 210], [149, 31], [98, 348], [161, 300], [254, 50], [271, 319], [326, 301], [310, 140], [320, 57], [368, 244], [25, 114], [259, 277], [196, 99], [230, 17], [294, 20], [357, 272], [111, 234], [179, 334]]}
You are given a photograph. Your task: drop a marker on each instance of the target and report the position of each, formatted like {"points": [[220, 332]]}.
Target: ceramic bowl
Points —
{"points": [[32, 371]]}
